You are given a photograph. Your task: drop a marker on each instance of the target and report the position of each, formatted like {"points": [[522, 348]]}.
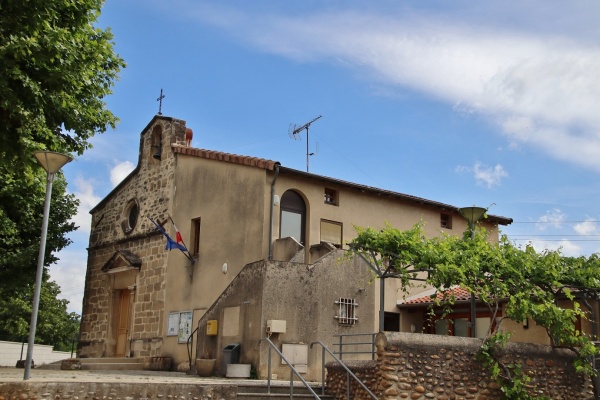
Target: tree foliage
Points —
{"points": [[56, 326], [56, 68], [20, 225], [520, 281]]}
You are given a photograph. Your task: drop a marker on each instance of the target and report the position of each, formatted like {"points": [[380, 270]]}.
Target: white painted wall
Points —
{"points": [[10, 353]]}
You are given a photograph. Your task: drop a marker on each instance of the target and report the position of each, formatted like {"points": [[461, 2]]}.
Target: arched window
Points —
{"points": [[156, 147], [293, 216]]}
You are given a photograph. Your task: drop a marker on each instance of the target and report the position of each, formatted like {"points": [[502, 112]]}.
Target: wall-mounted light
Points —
{"points": [[275, 200], [224, 268]]}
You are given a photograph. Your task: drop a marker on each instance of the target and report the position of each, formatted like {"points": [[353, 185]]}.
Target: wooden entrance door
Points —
{"points": [[123, 327]]}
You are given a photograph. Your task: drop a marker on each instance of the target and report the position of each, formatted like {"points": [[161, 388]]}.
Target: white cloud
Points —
{"points": [[540, 88], [484, 174], [69, 273], [489, 176], [588, 227], [552, 219], [120, 171], [566, 247], [84, 190]]}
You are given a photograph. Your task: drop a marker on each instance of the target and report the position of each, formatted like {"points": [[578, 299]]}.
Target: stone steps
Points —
{"points": [[259, 392]]}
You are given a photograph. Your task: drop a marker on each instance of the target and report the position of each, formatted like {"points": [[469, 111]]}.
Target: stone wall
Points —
{"points": [[148, 303], [337, 380], [417, 366], [114, 390], [150, 187]]}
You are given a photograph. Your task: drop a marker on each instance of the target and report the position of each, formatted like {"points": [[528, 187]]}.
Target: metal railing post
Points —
{"points": [[269, 373], [348, 385], [349, 373], [292, 373], [291, 383], [323, 370]]}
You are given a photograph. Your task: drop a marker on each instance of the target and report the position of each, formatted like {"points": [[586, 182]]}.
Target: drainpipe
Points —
{"points": [[271, 208]]}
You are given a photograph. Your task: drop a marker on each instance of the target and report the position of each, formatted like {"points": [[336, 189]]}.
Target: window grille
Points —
{"points": [[347, 311]]}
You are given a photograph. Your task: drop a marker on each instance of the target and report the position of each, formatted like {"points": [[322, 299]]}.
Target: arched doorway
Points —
{"points": [[293, 216]]}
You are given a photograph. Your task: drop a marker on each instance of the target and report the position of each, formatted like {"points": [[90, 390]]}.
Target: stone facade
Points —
{"points": [[150, 187], [114, 390], [417, 366], [366, 371]]}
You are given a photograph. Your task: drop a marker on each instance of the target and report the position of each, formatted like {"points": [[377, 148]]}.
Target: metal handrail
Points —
{"points": [[292, 371], [348, 372], [341, 344], [191, 352]]}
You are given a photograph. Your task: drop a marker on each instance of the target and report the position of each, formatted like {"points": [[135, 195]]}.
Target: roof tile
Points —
{"points": [[227, 157], [460, 294]]}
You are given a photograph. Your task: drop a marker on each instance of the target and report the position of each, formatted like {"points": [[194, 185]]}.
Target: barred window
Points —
{"points": [[347, 311]]}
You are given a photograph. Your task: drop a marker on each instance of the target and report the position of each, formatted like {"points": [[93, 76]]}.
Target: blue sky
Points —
{"points": [[458, 102]]}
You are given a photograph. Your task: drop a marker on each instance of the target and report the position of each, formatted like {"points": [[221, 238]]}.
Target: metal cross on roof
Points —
{"points": [[160, 98]]}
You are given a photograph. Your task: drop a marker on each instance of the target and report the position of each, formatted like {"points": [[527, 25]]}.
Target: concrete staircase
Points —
{"points": [[259, 392], [103, 364]]}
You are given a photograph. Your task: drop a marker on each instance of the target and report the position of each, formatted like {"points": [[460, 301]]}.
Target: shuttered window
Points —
{"points": [[331, 232]]}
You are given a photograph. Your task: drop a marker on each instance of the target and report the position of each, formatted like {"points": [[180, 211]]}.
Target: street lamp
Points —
{"points": [[51, 162], [472, 215]]}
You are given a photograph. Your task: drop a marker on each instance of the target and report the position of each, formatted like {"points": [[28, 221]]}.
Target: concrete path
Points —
{"points": [[8, 374]]}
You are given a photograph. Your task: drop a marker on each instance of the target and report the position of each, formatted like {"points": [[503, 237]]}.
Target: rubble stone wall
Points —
{"points": [[422, 367], [114, 390], [150, 188], [337, 380]]}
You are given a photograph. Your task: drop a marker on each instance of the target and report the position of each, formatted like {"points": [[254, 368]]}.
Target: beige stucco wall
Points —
{"points": [[363, 209], [229, 200], [302, 296]]}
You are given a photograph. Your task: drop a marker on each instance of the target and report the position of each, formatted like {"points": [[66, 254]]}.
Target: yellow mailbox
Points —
{"points": [[211, 327]]}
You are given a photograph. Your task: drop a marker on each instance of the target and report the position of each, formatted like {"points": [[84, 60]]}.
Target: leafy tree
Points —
{"points": [[56, 68], [20, 222], [56, 326], [526, 284]]}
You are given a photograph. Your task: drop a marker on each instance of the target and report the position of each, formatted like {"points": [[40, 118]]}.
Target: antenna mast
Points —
{"points": [[295, 130]]}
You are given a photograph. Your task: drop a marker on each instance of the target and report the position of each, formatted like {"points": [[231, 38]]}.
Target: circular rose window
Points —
{"points": [[132, 212]]}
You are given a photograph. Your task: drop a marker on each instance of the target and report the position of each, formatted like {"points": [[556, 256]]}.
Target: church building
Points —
{"points": [[257, 250]]}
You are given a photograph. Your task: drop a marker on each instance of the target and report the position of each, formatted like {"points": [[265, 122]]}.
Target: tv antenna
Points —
{"points": [[294, 132]]}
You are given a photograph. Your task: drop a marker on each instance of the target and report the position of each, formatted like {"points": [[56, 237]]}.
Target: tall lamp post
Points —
{"points": [[472, 215], [51, 162]]}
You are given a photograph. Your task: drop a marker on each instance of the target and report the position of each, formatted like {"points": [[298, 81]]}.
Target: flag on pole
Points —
{"points": [[171, 244], [178, 237]]}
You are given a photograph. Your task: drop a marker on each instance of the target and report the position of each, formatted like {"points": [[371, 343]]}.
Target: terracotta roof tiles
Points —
{"points": [[227, 157], [459, 293]]}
